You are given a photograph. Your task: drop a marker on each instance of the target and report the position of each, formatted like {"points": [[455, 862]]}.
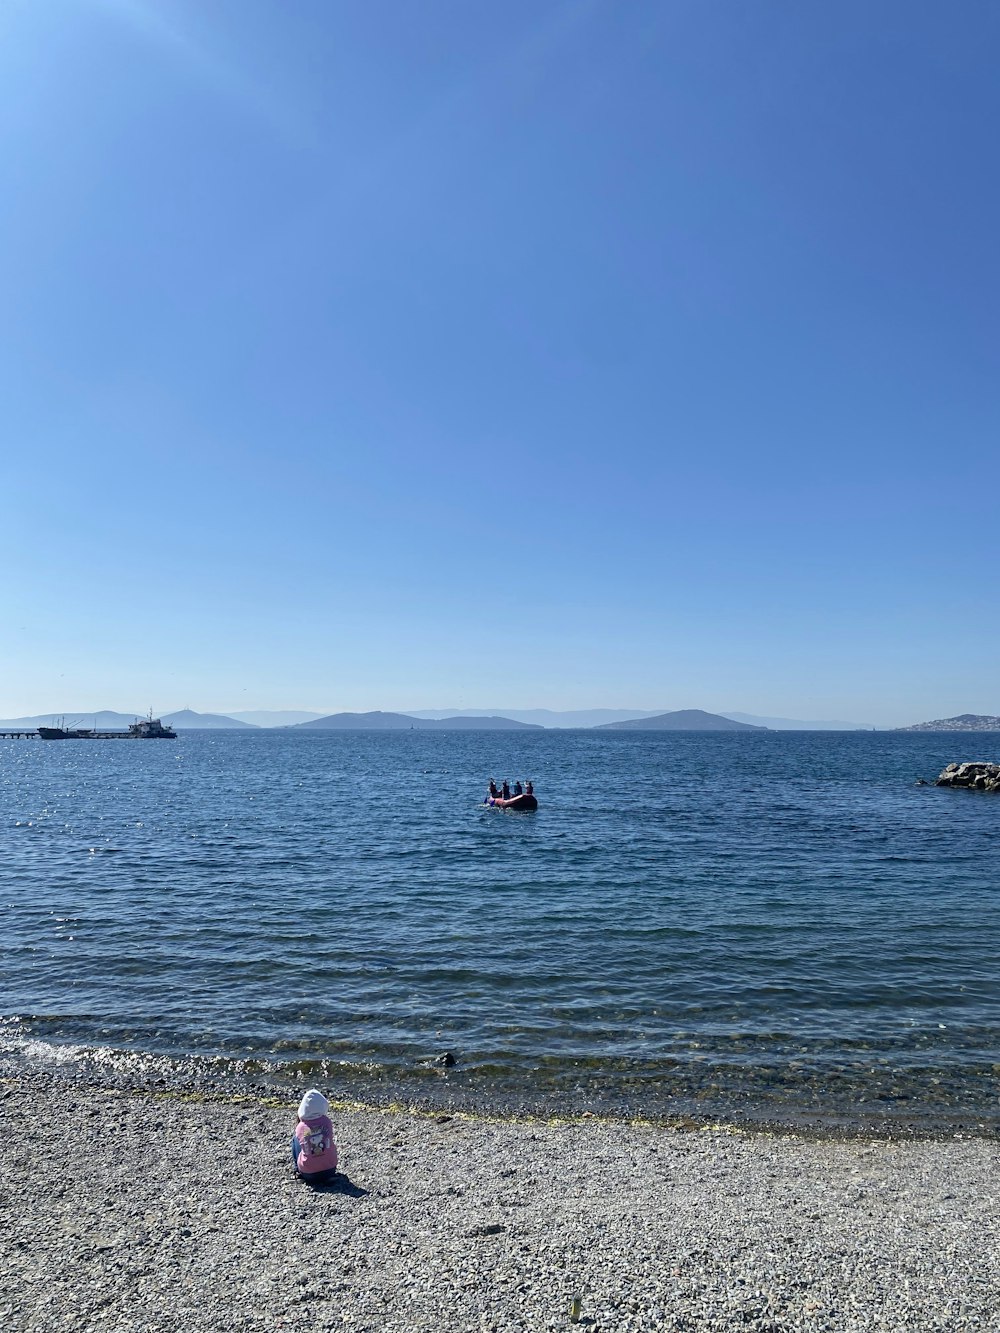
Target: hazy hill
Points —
{"points": [[597, 717], [474, 723], [271, 717], [542, 717], [684, 719], [375, 721], [796, 724], [188, 720], [103, 719], [964, 722], [106, 719], [379, 721]]}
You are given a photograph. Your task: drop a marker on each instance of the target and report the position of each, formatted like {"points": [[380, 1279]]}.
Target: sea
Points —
{"points": [[779, 928]]}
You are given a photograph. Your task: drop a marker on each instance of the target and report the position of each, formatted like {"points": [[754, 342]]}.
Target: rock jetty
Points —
{"points": [[977, 776]]}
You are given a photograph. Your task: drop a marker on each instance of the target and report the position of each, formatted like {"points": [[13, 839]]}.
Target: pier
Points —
{"points": [[142, 729], [33, 734]]}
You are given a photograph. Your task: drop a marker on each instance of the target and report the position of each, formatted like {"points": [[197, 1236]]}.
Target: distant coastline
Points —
{"points": [[964, 722], [465, 719]]}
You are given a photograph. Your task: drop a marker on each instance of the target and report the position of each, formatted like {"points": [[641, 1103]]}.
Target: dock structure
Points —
{"points": [[33, 734], [142, 729]]}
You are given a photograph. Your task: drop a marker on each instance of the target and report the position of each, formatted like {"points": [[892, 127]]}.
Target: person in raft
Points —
{"points": [[505, 790], [314, 1150]]}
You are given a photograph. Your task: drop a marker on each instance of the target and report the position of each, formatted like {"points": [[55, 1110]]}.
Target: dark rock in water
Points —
{"points": [[977, 776], [443, 1061]]}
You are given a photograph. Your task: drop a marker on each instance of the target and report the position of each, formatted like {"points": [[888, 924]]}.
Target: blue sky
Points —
{"points": [[399, 355]]}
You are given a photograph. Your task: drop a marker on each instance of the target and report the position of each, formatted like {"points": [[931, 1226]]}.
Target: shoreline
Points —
{"points": [[164, 1209], [443, 1090]]}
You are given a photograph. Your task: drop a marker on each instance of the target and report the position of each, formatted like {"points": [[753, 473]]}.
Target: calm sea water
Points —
{"points": [[760, 925]]}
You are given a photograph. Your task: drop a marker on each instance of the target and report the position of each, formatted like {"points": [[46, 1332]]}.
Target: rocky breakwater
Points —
{"points": [[976, 776]]}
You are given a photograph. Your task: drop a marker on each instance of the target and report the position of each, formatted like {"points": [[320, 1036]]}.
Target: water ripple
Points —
{"points": [[730, 920]]}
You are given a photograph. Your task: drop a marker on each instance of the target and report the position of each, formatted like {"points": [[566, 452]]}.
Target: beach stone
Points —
{"points": [[495, 1225]]}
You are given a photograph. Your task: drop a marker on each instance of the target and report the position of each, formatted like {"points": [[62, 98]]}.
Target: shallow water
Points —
{"points": [[745, 924]]}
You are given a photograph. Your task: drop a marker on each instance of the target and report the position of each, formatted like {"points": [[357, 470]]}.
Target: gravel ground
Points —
{"points": [[131, 1210]]}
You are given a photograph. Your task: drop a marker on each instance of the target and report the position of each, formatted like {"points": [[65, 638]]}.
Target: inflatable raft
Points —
{"points": [[523, 802]]}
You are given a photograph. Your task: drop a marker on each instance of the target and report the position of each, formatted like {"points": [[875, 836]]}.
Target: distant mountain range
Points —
{"points": [[964, 722], [188, 720], [541, 717], [470, 719], [596, 717], [796, 724], [379, 721], [106, 719], [683, 719], [103, 720], [270, 717]]}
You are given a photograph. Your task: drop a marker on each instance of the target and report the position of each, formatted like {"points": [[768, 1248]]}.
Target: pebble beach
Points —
{"points": [[131, 1209]]}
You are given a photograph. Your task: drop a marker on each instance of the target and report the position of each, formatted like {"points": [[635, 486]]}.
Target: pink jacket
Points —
{"points": [[317, 1150]]}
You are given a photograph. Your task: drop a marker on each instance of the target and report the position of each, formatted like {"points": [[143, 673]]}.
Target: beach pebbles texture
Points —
{"points": [[128, 1211]]}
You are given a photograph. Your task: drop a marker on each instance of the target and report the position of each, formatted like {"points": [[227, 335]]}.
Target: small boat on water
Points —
{"points": [[526, 801], [501, 798]]}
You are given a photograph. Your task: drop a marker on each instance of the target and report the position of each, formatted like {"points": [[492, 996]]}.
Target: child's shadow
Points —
{"points": [[338, 1184]]}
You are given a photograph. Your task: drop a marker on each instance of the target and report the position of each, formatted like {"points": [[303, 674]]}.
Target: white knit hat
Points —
{"points": [[313, 1104]]}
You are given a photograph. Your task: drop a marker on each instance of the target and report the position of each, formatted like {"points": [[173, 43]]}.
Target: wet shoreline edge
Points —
{"points": [[160, 1209], [810, 1124]]}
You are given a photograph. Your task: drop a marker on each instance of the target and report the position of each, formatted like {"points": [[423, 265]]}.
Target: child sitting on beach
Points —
{"points": [[314, 1151]]}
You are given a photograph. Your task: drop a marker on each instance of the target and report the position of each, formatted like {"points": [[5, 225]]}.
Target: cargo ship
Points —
{"points": [[145, 729], [151, 729]]}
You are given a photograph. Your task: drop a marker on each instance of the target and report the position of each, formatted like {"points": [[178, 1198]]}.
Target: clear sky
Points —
{"points": [[399, 355]]}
